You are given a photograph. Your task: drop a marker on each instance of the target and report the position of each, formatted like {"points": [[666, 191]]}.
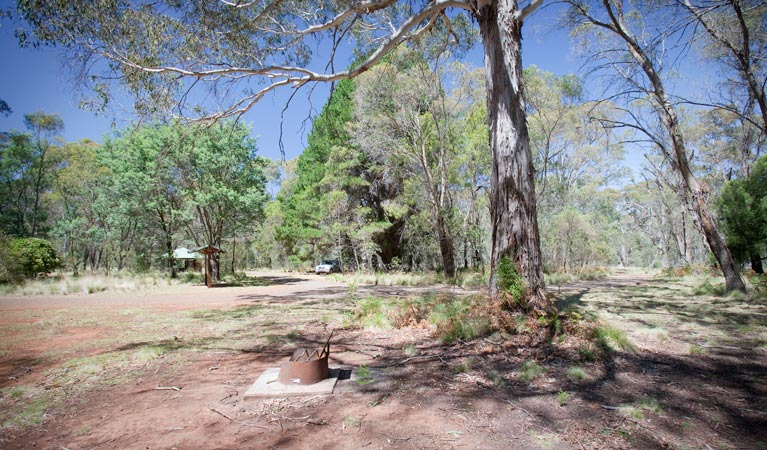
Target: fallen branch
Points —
{"points": [[728, 347], [220, 413], [167, 388], [412, 358]]}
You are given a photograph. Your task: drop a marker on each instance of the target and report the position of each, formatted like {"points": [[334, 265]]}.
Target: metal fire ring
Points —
{"points": [[306, 367]]}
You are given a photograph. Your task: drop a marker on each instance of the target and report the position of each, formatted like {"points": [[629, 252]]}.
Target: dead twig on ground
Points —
{"points": [[392, 438], [413, 358], [167, 388], [521, 409], [220, 413]]}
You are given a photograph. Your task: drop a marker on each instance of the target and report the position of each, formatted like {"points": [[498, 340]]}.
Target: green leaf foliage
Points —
{"points": [[26, 258], [509, 280], [742, 207]]}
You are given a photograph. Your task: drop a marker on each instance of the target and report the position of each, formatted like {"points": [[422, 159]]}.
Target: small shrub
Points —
{"points": [[192, 277], [26, 258], [456, 319], [650, 404], [530, 371], [509, 281], [364, 375], [372, 313], [95, 288], [562, 398]]}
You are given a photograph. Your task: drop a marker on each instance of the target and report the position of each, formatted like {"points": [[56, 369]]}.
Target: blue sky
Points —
{"points": [[33, 80]]}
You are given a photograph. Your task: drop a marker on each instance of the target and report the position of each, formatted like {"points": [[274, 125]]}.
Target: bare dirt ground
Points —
{"points": [[82, 372]]}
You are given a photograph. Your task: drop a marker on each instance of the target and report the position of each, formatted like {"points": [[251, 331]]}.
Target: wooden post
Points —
{"points": [[207, 270]]}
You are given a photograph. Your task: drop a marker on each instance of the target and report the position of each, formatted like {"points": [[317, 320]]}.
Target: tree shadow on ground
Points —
{"points": [[257, 281]]}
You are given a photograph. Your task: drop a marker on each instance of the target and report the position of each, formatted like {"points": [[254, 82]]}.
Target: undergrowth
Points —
{"points": [[449, 317], [466, 280], [88, 284]]}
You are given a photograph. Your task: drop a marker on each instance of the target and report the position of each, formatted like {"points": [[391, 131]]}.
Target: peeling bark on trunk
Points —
{"points": [[512, 199]]}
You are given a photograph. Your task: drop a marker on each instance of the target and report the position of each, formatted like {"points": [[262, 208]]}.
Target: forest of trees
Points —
{"points": [[428, 173]]}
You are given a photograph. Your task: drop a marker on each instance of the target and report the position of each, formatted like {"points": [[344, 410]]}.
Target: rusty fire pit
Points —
{"points": [[306, 367]]}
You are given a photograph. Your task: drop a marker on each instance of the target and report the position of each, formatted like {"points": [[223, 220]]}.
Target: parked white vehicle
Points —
{"points": [[328, 266]]}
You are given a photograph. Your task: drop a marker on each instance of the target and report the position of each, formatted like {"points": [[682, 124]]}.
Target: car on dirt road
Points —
{"points": [[328, 266]]}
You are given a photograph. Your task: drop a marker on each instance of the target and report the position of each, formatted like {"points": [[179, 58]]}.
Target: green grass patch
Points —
{"points": [[472, 280], [90, 283], [352, 422], [148, 353], [454, 319], [372, 313], [410, 350], [586, 354], [364, 375], [562, 398], [712, 289], [28, 406], [637, 409], [450, 317], [240, 312], [530, 371], [612, 339], [576, 374], [390, 278]]}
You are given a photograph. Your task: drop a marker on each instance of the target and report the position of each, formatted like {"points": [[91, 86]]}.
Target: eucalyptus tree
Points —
{"points": [[82, 219], [408, 126], [634, 52], [735, 36], [143, 190], [26, 174], [163, 51], [220, 180]]}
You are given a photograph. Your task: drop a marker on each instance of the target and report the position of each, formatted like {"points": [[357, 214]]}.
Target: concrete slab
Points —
{"points": [[267, 385]]}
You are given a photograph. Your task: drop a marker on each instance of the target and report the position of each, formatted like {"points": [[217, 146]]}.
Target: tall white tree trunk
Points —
{"points": [[512, 199]]}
